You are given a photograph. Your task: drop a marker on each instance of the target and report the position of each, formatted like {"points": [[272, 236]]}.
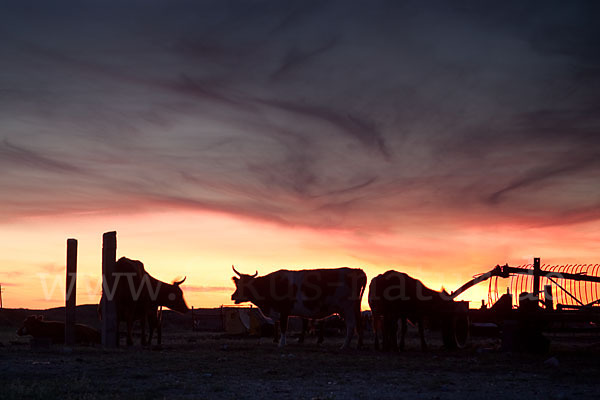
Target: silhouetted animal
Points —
{"points": [[395, 295], [138, 296], [314, 294], [37, 327]]}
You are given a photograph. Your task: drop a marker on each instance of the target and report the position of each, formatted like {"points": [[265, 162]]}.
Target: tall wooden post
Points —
{"points": [[71, 292], [109, 316], [536, 278], [0, 297]]}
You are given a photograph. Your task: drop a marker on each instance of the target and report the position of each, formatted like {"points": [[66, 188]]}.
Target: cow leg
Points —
{"points": [[385, 332], [422, 335], [321, 331], [402, 333], [143, 329], [377, 325], [304, 329], [393, 335], [118, 334], [359, 326], [159, 326], [350, 327], [283, 327], [151, 326], [276, 328], [129, 331], [154, 323], [159, 333], [388, 332]]}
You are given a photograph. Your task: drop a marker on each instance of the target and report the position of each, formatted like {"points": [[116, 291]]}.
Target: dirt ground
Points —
{"points": [[191, 365]]}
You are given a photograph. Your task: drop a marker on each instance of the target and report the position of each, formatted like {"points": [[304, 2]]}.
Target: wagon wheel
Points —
{"points": [[455, 332]]}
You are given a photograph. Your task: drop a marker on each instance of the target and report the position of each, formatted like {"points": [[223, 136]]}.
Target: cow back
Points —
{"points": [[397, 293], [314, 293]]}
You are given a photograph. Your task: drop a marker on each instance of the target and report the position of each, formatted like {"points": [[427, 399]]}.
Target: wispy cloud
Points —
{"points": [[544, 173], [10, 284], [332, 114], [20, 157]]}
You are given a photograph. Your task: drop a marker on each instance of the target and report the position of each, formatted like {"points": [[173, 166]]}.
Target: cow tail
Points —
{"points": [[99, 309], [362, 283]]}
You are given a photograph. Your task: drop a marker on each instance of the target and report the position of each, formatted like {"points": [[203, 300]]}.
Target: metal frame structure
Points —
{"points": [[522, 326]]}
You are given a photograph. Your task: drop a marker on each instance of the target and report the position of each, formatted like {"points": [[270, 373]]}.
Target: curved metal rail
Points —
{"points": [[572, 285]]}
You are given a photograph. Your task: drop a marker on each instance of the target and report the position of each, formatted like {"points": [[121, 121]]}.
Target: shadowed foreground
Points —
{"points": [[201, 366]]}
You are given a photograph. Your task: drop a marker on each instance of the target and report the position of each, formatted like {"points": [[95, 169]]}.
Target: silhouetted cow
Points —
{"points": [[395, 295], [314, 294], [38, 327], [138, 296]]}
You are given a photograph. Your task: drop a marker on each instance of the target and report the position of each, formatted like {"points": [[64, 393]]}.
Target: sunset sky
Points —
{"points": [[438, 138]]}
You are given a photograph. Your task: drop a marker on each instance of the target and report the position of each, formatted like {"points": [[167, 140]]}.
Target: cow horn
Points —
{"points": [[251, 276], [180, 282]]}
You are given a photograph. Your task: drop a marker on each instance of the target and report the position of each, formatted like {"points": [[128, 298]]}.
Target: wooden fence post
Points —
{"points": [[110, 334], [71, 292]]}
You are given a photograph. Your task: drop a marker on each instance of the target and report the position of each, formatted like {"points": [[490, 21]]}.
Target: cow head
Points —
{"points": [[175, 298], [242, 286]]}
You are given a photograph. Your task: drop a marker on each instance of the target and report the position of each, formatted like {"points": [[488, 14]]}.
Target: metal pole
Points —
{"points": [[1, 297], [536, 278], [71, 291], [551, 274], [110, 338], [548, 301]]}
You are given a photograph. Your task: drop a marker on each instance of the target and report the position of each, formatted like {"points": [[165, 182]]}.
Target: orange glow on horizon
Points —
{"points": [[204, 245]]}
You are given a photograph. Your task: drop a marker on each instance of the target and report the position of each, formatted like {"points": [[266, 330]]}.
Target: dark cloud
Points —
{"points": [[325, 113], [541, 174], [362, 130], [296, 57]]}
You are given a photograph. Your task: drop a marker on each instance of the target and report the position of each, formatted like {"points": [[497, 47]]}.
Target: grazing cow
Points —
{"points": [[314, 294], [38, 327], [395, 295], [138, 296]]}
